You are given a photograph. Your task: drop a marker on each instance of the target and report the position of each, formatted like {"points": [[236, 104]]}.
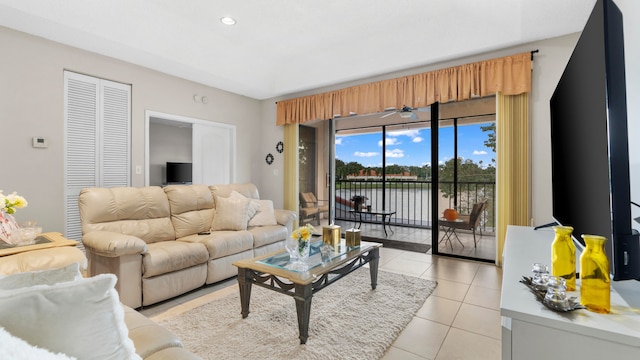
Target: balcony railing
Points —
{"points": [[411, 200]]}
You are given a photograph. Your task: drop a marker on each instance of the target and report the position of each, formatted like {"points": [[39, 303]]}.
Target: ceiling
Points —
{"points": [[280, 47]]}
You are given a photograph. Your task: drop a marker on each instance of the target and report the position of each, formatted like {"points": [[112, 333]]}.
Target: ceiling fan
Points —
{"points": [[407, 112]]}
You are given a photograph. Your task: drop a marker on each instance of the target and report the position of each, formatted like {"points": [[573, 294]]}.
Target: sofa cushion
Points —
{"points": [[254, 206], [148, 336], [264, 235], [141, 212], [174, 353], [168, 256], [191, 208], [231, 214], [265, 214], [248, 190], [80, 318], [223, 243]]}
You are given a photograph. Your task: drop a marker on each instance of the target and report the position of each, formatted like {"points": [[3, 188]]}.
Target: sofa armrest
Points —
{"points": [[285, 218], [113, 244]]}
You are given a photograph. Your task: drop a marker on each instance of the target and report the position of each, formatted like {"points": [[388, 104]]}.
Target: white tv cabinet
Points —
{"points": [[532, 331]]}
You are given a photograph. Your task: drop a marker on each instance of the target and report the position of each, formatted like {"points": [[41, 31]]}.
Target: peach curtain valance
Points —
{"points": [[511, 75]]}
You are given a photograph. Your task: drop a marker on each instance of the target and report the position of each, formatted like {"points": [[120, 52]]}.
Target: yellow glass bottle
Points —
{"points": [[595, 284], [563, 256]]}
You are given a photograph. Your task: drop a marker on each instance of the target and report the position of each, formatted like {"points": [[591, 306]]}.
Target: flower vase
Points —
{"points": [[595, 288], [7, 225], [291, 245], [563, 256], [302, 255]]}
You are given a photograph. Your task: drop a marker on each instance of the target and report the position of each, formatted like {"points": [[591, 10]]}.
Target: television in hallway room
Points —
{"points": [[179, 173], [590, 144]]}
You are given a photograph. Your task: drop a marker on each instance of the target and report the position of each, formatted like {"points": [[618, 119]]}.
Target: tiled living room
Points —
{"points": [[98, 96]]}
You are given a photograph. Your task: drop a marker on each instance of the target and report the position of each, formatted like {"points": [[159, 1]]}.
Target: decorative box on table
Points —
{"points": [[331, 234], [352, 237]]}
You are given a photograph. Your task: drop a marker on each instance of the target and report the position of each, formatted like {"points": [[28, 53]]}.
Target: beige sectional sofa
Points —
{"points": [[163, 242]]}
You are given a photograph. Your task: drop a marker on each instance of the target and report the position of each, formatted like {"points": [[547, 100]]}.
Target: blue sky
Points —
{"points": [[413, 147]]}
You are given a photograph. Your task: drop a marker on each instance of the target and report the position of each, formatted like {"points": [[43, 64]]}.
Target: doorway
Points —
{"points": [[391, 163], [209, 146]]}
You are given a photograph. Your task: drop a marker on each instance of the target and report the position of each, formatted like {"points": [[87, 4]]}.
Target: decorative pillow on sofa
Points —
{"points": [[82, 318], [265, 215], [231, 214], [15, 348], [253, 208]]}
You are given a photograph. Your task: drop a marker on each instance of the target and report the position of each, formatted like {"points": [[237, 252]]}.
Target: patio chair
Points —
{"points": [[472, 220], [310, 208]]}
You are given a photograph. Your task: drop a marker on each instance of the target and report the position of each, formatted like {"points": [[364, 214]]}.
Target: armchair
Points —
{"points": [[310, 208], [465, 222], [472, 220]]}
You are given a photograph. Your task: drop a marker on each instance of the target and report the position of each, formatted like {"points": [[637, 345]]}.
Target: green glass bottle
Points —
{"points": [[563, 256], [595, 284]]}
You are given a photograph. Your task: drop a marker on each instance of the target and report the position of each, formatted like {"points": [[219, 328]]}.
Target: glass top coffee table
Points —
{"points": [[272, 271]]}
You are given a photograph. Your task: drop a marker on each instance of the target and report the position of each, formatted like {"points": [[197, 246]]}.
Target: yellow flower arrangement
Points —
{"points": [[303, 234], [12, 202]]}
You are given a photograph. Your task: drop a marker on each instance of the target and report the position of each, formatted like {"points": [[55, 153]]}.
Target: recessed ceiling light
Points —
{"points": [[227, 20]]}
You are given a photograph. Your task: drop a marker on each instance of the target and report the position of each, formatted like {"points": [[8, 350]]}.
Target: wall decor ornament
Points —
{"points": [[280, 147], [269, 159]]}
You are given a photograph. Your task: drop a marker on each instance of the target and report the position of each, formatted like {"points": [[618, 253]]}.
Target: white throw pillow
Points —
{"points": [[82, 318], [15, 348], [231, 214], [253, 206], [265, 215], [70, 272]]}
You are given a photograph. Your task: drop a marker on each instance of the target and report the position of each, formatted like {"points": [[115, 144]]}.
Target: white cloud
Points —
{"points": [[395, 153], [365, 154], [479, 152], [417, 139], [338, 141], [390, 141], [409, 133]]}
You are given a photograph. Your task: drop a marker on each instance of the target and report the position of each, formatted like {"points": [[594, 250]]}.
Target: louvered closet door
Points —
{"points": [[97, 146]]}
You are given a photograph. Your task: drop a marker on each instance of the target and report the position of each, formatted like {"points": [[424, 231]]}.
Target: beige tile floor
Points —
{"points": [[460, 320]]}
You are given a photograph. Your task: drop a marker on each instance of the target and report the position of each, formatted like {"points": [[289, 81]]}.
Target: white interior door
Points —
{"points": [[213, 153], [97, 115]]}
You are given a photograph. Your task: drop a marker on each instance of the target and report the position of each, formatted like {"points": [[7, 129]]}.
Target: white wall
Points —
{"points": [[31, 104]]}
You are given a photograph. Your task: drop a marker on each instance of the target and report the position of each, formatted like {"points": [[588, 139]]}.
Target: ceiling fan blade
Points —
{"points": [[389, 114], [414, 116]]}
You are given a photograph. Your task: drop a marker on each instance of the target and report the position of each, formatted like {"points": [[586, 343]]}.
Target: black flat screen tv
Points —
{"points": [[178, 173], [590, 145]]}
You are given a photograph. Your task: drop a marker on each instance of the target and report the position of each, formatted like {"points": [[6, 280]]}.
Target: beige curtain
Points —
{"points": [[291, 169], [510, 75], [513, 165]]}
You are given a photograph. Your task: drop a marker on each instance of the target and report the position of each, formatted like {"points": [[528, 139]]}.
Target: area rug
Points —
{"points": [[348, 320]]}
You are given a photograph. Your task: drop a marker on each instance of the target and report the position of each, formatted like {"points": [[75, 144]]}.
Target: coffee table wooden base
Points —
{"points": [[303, 293]]}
